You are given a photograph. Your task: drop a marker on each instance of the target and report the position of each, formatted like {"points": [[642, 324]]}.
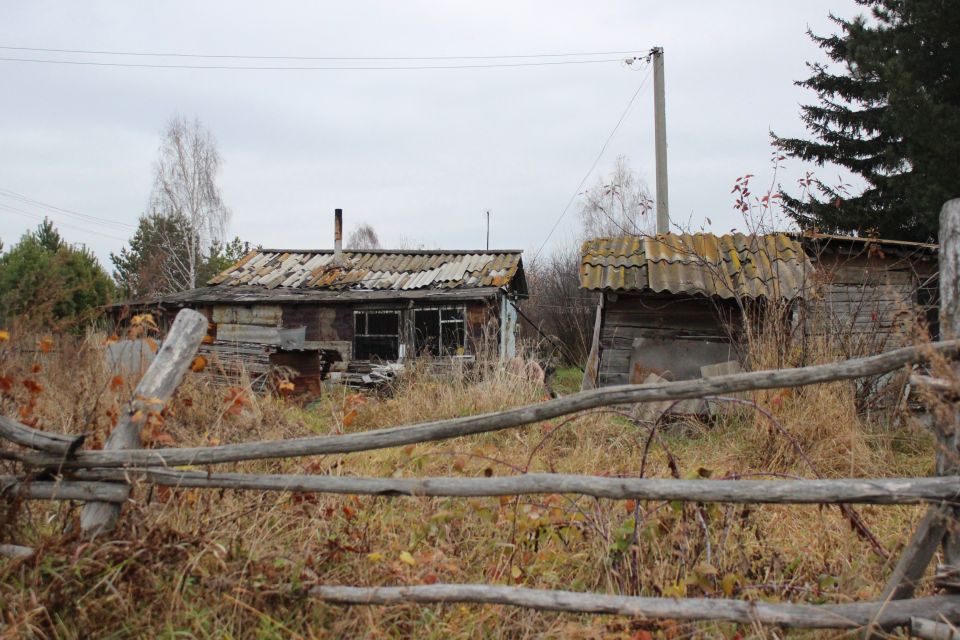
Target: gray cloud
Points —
{"points": [[418, 154]]}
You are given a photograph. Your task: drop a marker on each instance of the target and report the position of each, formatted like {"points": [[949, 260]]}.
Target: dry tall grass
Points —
{"points": [[227, 564]]}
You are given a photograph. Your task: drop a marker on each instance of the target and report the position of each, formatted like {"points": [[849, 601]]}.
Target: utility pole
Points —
{"points": [[488, 229], [660, 140]]}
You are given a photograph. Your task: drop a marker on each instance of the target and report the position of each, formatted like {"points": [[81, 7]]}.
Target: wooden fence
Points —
{"points": [[55, 467]]}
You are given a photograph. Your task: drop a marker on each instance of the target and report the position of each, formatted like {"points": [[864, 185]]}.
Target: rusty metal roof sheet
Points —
{"points": [[728, 266], [375, 270]]}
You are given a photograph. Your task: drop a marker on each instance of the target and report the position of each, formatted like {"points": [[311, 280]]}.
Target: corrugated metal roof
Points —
{"points": [[374, 270], [728, 266]]}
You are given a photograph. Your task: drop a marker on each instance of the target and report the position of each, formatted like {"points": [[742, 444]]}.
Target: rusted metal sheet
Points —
{"points": [[374, 270], [729, 266]]}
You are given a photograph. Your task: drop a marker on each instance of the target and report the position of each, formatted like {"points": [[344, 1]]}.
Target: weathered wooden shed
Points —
{"points": [[869, 290], [671, 304], [350, 310]]}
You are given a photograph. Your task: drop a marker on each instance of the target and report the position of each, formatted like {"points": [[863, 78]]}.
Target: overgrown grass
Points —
{"points": [[229, 564]]}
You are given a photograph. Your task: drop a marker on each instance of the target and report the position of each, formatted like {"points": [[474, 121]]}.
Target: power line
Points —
{"points": [[35, 216], [13, 195], [312, 68], [333, 58], [596, 160]]}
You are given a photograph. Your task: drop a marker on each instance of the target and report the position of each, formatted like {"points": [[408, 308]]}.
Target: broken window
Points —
{"points": [[376, 335], [440, 331]]}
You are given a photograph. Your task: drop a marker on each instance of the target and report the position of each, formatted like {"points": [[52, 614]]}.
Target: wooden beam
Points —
{"points": [[824, 616], [56, 443], [917, 554], [15, 551], [12, 487], [948, 435], [932, 630], [872, 491], [154, 389], [497, 421]]}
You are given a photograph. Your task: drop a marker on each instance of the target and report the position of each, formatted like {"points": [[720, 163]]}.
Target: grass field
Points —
{"points": [[228, 564]]}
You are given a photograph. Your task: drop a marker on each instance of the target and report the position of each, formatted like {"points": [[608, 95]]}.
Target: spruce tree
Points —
{"points": [[890, 114]]}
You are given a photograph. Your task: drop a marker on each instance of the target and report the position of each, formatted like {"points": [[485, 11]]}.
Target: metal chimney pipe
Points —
{"points": [[337, 233]]}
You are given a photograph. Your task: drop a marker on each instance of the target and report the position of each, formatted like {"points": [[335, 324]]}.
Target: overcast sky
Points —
{"points": [[418, 154]]}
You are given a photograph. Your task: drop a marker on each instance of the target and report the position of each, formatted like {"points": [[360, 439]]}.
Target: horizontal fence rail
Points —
{"points": [[11, 486], [884, 615], [497, 421], [44, 441], [870, 491]]}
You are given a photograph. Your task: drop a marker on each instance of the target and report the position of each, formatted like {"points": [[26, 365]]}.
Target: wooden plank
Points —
{"points": [[823, 616], [154, 389], [260, 314], [508, 418], [248, 333], [835, 491]]}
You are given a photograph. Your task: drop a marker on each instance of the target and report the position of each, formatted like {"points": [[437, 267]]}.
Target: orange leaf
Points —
{"points": [[207, 340], [25, 411], [36, 367], [630, 505], [33, 386], [349, 512], [350, 417], [6, 382], [111, 339], [45, 344], [151, 343], [4, 335], [116, 382], [198, 364]]}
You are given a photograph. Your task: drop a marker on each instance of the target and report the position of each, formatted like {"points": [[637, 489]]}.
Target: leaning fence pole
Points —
{"points": [[939, 524], [155, 388]]}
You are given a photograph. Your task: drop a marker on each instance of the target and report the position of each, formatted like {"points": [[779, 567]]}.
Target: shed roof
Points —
{"points": [[728, 266], [374, 270]]}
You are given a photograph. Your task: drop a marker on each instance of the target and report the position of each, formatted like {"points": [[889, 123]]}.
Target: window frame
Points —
{"points": [[461, 349], [358, 335]]}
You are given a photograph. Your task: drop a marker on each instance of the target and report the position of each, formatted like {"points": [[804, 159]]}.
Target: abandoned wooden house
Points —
{"points": [[674, 305], [344, 312]]}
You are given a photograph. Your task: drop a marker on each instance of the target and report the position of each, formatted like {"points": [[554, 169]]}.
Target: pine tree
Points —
{"points": [[51, 283], [891, 116]]}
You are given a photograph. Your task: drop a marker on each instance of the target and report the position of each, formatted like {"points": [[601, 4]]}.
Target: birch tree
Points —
{"points": [[185, 188], [617, 205]]}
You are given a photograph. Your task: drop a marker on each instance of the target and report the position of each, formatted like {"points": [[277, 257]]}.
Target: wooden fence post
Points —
{"points": [[155, 388], [940, 522], [948, 435]]}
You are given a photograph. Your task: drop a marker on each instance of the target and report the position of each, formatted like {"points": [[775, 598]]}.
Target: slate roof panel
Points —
{"points": [[728, 266]]}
